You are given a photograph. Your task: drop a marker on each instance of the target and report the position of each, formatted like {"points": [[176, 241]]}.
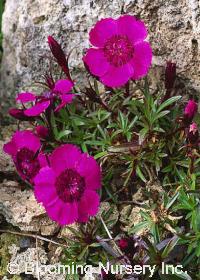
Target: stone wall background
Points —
{"points": [[174, 32]]}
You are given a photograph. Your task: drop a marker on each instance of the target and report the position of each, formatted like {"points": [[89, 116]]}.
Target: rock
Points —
{"points": [[6, 240], [34, 261], [6, 165], [174, 30], [22, 210], [27, 260], [24, 243]]}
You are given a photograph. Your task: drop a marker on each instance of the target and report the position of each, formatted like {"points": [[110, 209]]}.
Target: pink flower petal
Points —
{"points": [[66, 99], [10, 148], [63, 213], [118, 76], [96, 61], [132, 27], [37, 109], [63, 86], [44, 188], [84, 168], [43, 159], [142, 59], [88, 205], [26, 139], [65, 156], [25, 97], [102, 31]]}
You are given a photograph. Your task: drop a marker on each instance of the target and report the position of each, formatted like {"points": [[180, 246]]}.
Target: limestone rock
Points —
{"points": [[32, 261], [6, 165], [35, 262], [22, 210], [174, 32]]}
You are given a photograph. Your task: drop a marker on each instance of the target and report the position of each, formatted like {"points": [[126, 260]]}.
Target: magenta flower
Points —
{"points": [[127, 246], [120, 53], [123, 243], [19, 114], [67, 189], [190, 111], [60, 92], [24, 149]]}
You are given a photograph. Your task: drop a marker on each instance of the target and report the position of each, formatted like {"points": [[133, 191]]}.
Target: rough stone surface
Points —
{"points": [[174, 32], [21, 209], [5, 163], [33, 260]]}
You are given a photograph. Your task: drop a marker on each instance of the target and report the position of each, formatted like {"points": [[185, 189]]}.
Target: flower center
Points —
{"points": [[26, 163], [70, 185], [118, 50]]}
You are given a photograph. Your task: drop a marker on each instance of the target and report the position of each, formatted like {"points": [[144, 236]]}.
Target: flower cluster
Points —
{"points": [[64, 179]]}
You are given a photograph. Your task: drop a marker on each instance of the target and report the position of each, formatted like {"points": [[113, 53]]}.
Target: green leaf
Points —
{"points": [[83, 253], [170, 246], [156, 233], [140, 174], [172, 200], [63, 134], [100, 155], [160, 115], [139, 227], [168, 102]]}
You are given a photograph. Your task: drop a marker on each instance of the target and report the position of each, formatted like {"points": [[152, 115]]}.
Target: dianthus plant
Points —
{"points": [[112, 138]]}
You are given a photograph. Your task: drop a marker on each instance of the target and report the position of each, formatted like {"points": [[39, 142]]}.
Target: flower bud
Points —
{"points": [[59, 55], [190, 111], [170, 75], [42, 131]]}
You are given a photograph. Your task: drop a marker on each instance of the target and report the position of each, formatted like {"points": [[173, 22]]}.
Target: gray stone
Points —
{"points": [[35, 261], [174, 32], [22, 210]]}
